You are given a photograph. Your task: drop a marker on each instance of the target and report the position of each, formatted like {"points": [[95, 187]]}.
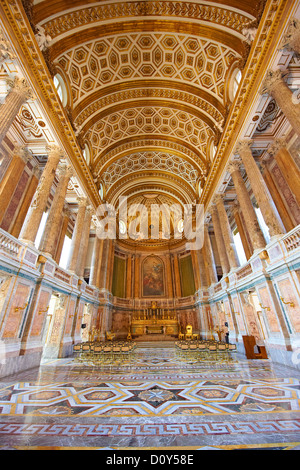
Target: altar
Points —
{"points": [[154, 321]]}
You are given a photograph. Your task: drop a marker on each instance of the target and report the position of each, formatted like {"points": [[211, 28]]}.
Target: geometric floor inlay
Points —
{"points": [[159, 400]]}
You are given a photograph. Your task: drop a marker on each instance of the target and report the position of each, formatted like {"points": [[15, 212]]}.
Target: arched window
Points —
{"points": [[122, 227], [61, 88], [234, 83], [86, 154]]}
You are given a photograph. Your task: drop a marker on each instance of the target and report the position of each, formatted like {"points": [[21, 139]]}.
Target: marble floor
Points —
{"points": [[154, 398]]}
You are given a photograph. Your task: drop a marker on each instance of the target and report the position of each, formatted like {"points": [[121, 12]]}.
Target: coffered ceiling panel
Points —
{"points": [[148, 83]]}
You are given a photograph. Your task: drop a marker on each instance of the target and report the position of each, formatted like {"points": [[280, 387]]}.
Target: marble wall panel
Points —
{"points": [[17, 310], [40, 312], [288, 294]]}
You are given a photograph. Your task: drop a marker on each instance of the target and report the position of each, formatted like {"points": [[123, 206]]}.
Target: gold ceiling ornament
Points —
{"points": [[149, 161], [153, 121], [155, 144], [61, 21]]}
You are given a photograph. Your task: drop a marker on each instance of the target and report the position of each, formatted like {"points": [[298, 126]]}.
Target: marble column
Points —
{"points": [[63, 230], [227, 234], [39, 203], [77, 232], [287, 166], [12, 177], [137, 276], [196, 269], [95, 261], [275, 86], [19, 93], [219, 240], [209, 256], [170, 293], [84, 242], [106, 252], [255, 234], [49, 242], [128, 276], [260, 190], [204, 280], [111, 266], [277, 198], [176, 275], [30, 190], [99, 256]]}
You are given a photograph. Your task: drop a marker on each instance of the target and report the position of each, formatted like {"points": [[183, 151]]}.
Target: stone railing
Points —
{"points": [[291, 241], [9, 244]]}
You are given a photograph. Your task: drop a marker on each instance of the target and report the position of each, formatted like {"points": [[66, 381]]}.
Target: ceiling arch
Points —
{"points": [[148, 83]]}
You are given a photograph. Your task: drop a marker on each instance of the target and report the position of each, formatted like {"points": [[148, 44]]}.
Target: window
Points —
{"points": [[262, 224], [234, 83], [61, 88], [180, 226], [86, 154], [41, 229], [122, 227], [65, 252], [239, 248], [101, 190]]}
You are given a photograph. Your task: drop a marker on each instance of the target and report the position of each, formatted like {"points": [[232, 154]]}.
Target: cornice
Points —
{"points": [[112, 10], [18, 29]]}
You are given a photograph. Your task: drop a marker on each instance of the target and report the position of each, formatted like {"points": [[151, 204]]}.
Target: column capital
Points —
{"points": [[235, 206], [272, 79], [90, 210], [65, 170], [219, 198], [291, 39], [54, 152], [234, 165], [23, 152], [243, 146], [82, 200], [275, 146], [20, 86], [212, 208]]}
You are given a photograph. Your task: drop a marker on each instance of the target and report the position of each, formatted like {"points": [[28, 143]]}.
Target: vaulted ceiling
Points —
{"points": [[148, 85]]}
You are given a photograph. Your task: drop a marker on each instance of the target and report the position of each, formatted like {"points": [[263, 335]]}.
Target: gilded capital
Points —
{"points": [[82, 200], [275, 146], [243, 146], [233, 166], [272, 80], [54, 152], [20, 86], [219, 198], [65, 170]]}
